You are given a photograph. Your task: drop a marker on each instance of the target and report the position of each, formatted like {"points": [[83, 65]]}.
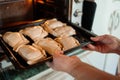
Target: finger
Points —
{"points": [[97, 38], [59, 52], [92, 47], [74, 56], [89, 47], [49, 64]]}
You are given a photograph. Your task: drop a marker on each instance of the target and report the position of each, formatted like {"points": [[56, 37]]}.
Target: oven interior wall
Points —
{"points": [[51, 8], [15, 10]]}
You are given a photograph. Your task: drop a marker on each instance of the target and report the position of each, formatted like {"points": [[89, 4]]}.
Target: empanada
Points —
{"points": [[49, 45], [67, 42], [14, 39], [51, 24], [31, 54], [35, 32], [63, 31]]}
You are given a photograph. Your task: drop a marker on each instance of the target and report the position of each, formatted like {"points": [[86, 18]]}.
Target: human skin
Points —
{"points": [[78, 69], [82, 71], [105, 44]]}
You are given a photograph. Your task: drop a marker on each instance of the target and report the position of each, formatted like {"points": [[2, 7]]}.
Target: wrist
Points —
{"points": [[118, 48], [74, 67]]}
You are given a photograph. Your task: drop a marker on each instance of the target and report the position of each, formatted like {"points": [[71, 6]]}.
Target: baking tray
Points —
{"points": [[83, 36]]}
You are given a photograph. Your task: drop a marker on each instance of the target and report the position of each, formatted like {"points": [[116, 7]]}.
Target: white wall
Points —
{"points": [[101, 26]]}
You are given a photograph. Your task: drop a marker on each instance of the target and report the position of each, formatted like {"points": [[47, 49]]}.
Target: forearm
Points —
{"points": [[118, 49], [87, 72]]}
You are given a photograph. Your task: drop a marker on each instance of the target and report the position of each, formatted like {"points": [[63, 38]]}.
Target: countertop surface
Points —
{"points": [[10, 73]]}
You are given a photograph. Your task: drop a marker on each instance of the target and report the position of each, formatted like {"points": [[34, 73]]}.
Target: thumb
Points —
{"points": [[57, 53], [98, 38], [49, 64]]}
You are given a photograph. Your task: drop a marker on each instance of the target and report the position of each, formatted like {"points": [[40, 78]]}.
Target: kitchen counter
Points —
{"points": [[10, 73]]}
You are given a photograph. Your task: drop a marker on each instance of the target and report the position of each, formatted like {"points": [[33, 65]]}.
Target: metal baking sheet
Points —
{"points": [[83, 36]]}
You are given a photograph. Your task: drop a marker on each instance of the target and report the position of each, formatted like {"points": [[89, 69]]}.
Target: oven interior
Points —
{"points": [[27, 10]]}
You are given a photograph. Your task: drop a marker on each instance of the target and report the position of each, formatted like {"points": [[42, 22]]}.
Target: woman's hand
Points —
{"points": [[104, 44], [63, 63], [79, 70]]}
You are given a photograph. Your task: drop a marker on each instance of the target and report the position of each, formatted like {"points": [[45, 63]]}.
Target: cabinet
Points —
{"points": [[107, 21]]}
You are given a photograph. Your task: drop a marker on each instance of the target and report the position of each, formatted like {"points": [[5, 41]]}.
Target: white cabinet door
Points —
{"points": [[99, 27], [113, 29], [107, 21], [93, 58]]}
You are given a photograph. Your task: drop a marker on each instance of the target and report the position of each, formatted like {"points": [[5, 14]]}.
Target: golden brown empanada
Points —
{"points": [[51, 24], [31, 54], [14, 39], [35, 32], [64, 31], [67, 42], [49, 45]]}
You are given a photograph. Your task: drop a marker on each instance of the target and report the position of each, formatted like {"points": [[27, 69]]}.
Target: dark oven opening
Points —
{"points": [[25, 10], [51, 8], [28, 10]]}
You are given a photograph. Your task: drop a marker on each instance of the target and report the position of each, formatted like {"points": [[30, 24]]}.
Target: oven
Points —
{"points": [[67, 9], [14, 12], [80, 12]]}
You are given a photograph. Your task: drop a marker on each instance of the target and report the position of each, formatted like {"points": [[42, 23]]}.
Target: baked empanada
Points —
{"points": [[63, 31], [49, 45], [14, 39], [35, 32], [67, 42], [31, 54], [51, 24]]}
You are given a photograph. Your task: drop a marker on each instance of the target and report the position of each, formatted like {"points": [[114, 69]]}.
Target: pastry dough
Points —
{"points": [[67, 42], [64, 31], [49, 45], [35, 32], [57, 28], [51, 24], [14, 39], [31, 54]]}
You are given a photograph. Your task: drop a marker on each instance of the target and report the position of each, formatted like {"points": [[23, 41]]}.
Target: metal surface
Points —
{"points": [[15, 10]]}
